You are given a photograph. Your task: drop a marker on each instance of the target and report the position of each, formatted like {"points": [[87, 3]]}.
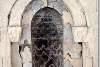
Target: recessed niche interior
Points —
{"points": [[47, 38]]}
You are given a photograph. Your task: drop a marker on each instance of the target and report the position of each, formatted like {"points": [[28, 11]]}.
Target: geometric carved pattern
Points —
{"points": [[47, 38]]}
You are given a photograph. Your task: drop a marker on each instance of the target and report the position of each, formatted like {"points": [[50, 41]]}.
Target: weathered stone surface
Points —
{"points": [[5, 6], [16, 12], [58, 5], [79, 17], [67, 64], [67, 18], [14, 33], [77, 62], [45, 3], [92, 18], [68, 61], [80, 33], [26, 56], [15, 56], [38, 4], [77, 12], [76, 52], [87, 56], [68, 34], [93, 43], [88, 62], [26, 26]]}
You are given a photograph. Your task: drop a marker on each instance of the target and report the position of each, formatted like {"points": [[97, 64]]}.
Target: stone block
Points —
{"points": [[58, 5], [14, 33], [76, 51], [45, 2], [15, 55], [67, 18], [80, 34], [88, 62], [87, 56]]}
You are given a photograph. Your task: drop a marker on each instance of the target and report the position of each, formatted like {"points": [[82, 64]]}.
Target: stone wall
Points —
{"points": [[80, 19]]}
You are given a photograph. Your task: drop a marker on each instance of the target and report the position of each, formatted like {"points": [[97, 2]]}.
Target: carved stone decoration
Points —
{"points": [[47, 38]]}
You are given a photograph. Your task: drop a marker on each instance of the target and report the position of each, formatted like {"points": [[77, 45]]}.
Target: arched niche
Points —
{"points": [[47, 38], [26, 15]]}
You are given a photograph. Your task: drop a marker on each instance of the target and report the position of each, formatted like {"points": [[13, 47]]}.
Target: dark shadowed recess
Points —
{"points": [[47, 38]]}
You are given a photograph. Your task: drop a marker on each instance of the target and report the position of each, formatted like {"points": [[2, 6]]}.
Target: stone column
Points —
{"points": [[15, 56]]}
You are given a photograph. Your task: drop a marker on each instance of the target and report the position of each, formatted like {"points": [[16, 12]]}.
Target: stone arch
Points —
{"points": [[17, 13], [77, 11], [15, 23], [26, 3], [29, 12]]}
